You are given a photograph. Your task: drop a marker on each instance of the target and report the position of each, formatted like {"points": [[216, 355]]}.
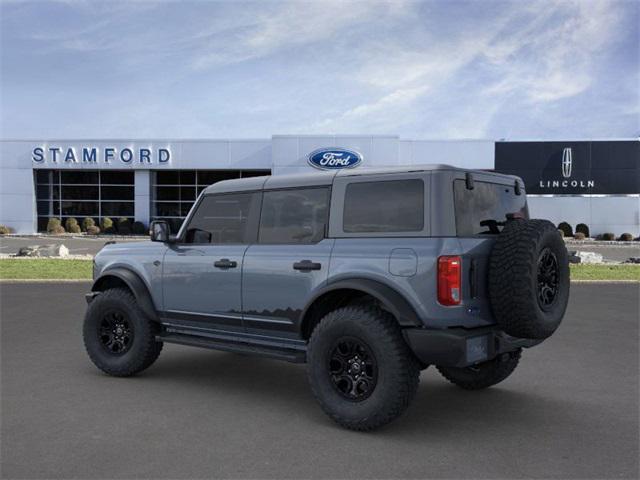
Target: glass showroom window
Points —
{"points": [[174, 192], [80, 194]]}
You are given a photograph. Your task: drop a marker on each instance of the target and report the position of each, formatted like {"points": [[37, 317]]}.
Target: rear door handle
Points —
{"points": [[225, 263], [306, 265]]}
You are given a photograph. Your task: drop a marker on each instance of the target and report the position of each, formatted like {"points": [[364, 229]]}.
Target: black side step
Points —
{"points": [[294, 356]]}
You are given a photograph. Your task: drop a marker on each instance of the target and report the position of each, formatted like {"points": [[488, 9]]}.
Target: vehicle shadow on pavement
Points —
{"points": [[438, 406]]}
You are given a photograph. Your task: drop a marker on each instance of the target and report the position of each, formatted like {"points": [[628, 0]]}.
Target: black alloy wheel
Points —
{"points": [[547, 278], [353, 369], [116, 332]]}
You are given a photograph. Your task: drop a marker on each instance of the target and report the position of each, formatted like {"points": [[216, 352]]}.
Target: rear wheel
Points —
{"points": [[360, 369], [118, 337], [485, 374]]}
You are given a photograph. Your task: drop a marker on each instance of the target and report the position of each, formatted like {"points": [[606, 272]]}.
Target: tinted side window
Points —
{"points": [[294, 216], [487, 201], [222, 219], [385, 206]]}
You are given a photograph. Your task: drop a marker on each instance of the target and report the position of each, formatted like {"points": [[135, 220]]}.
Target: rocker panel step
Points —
{"points": [[235, 347]]}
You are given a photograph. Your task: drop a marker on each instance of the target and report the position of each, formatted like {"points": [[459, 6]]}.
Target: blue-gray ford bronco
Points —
{"points": [[368, 276]]}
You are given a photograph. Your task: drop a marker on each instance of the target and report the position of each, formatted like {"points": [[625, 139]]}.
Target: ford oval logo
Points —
{"points": [[334, 158]]}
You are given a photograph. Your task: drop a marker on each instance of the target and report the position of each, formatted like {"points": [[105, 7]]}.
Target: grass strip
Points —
{"points": [[605, 272], [37, 269], [49, 268]]}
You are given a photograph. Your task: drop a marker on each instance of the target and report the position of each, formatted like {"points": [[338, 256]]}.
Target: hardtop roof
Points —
{"points": [[321, 178]]}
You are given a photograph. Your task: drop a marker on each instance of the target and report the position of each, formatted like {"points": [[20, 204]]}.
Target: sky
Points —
{"points": [[420, 70]]}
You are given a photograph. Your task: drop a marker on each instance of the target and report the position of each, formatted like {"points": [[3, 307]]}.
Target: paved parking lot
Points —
{"points": [[76, 245], [569, 411], [91, 245]]}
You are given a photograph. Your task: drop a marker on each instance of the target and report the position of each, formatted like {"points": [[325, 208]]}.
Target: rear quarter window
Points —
{"points": [[384, 206], [486, 202]]}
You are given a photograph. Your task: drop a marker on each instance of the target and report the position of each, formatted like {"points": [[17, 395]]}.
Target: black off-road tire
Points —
{"points": [[142, 349], [484, 374], [518, 274], [397, 369]]}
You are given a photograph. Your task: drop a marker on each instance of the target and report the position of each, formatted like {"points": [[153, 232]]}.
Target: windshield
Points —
{"points": [[484, 209]]}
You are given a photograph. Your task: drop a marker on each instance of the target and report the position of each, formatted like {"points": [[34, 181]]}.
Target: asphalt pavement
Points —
{"points": [[570, 410], [91, 245], [76, 245]]}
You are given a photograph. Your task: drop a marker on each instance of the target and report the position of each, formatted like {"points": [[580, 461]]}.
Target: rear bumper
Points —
{"points": [[459, 347]]}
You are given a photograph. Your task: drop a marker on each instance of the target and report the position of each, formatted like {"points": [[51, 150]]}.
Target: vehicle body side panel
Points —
{"points": [[143, 258], [369, 259], [198, 293], [274, 294]]}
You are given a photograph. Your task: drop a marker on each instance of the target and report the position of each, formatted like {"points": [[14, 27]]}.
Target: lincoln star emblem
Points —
{"points": [[567, 160]]}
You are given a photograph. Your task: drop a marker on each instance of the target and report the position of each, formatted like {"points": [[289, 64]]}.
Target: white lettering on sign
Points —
{"points": [[331, 159], [567, 183]]}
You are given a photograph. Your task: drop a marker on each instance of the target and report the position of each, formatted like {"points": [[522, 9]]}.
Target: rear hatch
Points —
{"points": [[482, 206]]}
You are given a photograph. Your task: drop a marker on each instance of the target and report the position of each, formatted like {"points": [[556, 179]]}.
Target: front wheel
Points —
{"points": [[360, 368], [483, 375], [118, 337]]}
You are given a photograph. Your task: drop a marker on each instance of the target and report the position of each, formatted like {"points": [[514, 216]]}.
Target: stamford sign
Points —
{"points": [[95, 155], [334, 158]]}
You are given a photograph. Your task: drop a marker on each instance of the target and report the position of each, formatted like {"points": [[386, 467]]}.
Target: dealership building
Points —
{"points": [[596, 182]]}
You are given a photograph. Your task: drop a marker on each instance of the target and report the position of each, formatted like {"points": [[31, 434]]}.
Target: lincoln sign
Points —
{"points": [[575, 168]]}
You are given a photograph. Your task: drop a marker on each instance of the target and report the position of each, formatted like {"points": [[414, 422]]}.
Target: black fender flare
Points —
{"points": [[393, 301], [135, 284]]}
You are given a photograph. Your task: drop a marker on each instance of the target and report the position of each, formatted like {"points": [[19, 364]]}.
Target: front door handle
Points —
{"points": [[306, 265], [225, 263]]}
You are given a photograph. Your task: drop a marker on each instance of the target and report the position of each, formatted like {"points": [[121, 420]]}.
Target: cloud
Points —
{"points": [[421, 69], [286, 25], [543, 53], [553, 57]]}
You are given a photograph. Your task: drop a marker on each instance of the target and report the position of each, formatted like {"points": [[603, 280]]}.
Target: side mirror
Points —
{"points": [[159, 231]]}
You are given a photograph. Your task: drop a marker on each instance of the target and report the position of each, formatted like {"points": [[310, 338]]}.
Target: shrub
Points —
{"points": [[561, 233], [93, 230], [583, 228], [566, 228], [57, 230], [579, 236], [71, 225], [88, 222], [4, 229], [626, 237], [53, 224], [124, 226], [107, 225], [608, 236], [139, 229]]}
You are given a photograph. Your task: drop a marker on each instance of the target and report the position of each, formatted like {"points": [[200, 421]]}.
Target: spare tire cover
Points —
{"points": [[529, 278]]}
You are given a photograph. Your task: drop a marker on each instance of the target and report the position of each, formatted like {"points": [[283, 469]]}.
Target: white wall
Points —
{"points": [[459, 153], [142, 196], [17, 189], [289, 152], [616, 214]]}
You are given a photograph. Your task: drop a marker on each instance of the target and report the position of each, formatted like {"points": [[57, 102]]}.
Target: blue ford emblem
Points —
{"points": [[334, 158]]}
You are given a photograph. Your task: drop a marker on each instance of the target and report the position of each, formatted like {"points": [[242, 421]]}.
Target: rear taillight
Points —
{"points": [[449, 280]]}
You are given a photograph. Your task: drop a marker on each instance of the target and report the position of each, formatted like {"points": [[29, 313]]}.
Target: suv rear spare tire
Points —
{"points": [[529, 278]]}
